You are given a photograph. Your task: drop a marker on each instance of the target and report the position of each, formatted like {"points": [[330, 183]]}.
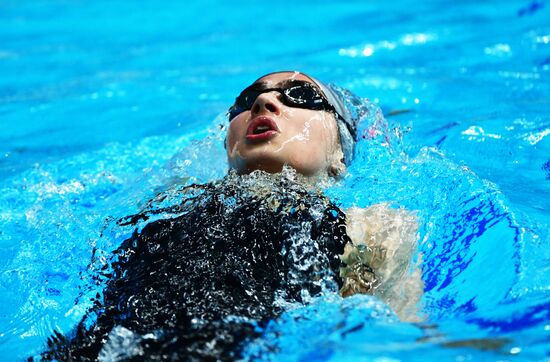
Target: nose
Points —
{"points": [[267, 103]]}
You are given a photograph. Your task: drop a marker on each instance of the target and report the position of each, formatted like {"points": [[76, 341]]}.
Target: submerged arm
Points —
{"points": [[379, 259]]}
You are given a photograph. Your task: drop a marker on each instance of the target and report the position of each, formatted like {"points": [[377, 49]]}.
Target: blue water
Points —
{"points": [[105, 103]]}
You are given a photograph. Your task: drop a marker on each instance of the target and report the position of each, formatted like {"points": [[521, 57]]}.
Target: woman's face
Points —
{"points": [[272, 134]]}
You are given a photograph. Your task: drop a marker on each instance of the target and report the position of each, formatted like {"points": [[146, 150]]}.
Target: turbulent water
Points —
{"points": [[104, 105], [148, 310], [200, 283]]}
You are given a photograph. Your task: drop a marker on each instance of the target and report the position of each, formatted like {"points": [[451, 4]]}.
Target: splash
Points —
{"points": [[205, 276]]}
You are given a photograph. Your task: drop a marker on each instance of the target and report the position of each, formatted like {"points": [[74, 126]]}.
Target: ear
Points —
{"points": [[337, 166], [336, 170]]}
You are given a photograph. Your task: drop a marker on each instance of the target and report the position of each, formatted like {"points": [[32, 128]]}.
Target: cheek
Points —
{"points": [[235, 132], [314, 142], [319, 131], [329, 131]]}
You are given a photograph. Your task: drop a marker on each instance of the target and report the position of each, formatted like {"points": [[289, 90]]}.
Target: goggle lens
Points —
{"points": [[295, 93]]}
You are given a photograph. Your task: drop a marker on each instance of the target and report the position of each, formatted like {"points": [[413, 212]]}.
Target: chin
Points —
{"points": [[271, 163], [247, 166], [263, 166], [260, 158]]}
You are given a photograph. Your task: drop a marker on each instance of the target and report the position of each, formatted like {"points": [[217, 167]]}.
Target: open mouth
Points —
{"points": [[262, 128]]}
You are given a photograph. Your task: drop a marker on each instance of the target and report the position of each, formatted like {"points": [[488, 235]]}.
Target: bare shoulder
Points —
{"points": [[379, 260], [380, 224]]}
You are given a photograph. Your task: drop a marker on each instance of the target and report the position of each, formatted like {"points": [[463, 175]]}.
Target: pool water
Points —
{"points": [[104, 104]]}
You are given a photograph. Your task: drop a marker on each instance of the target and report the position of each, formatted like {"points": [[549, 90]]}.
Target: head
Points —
{"points": [[269, 131]]}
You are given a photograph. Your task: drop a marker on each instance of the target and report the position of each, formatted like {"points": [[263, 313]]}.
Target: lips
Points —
{"points": [[261, 129]]}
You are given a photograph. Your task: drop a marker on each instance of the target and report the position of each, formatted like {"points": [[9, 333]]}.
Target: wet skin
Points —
{"points": [[272, 134]]}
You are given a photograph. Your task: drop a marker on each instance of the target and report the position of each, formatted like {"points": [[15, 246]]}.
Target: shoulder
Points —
{"points": [[381, 226], [379, 260]]}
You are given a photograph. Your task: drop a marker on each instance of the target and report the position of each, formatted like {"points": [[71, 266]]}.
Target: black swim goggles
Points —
{"points": [[295, 93]]}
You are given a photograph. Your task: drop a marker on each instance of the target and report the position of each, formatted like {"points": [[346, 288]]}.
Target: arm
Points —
{"points": [[379, 259]]}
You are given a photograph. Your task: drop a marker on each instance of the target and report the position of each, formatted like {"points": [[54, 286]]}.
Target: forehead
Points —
{"points": [[272, 79]]}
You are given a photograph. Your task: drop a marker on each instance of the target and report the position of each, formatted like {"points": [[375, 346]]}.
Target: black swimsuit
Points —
{"points": [[196, 286]]}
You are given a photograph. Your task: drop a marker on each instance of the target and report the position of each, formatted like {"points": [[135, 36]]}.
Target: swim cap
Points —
{"points": [[347, 125]]}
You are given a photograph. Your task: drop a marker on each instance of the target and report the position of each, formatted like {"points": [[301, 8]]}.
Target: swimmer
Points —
{"points": [[290, 118], [202, 281]]}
